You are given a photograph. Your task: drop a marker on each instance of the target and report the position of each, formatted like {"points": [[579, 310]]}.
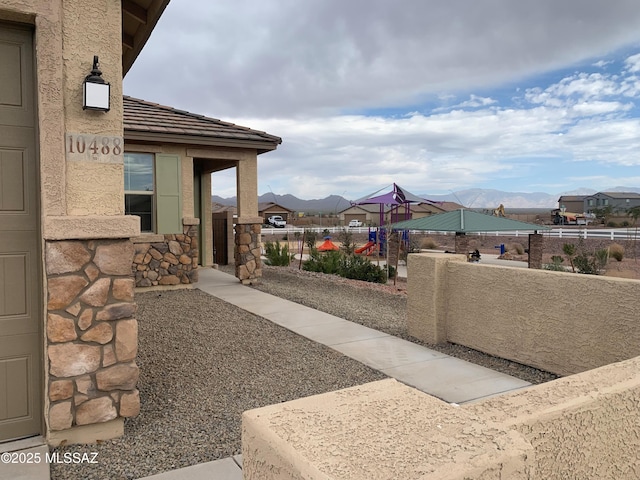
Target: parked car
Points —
{"points": [[355, 223], [277, 221]]}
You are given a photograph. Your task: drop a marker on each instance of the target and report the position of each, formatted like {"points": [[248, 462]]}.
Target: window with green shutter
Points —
{"points": [[152, 186]]}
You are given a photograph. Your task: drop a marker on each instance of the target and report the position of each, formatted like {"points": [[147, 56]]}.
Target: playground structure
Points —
{"points": [[394, 200], [328, 245]]}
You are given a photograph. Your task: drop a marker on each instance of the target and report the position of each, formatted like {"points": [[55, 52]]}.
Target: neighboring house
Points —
{"points": [[619, 202], [268, 209], [572, 203], [68, 334]]}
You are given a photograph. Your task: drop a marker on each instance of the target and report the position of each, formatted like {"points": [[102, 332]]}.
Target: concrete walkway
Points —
{"points": [[448, 378]]}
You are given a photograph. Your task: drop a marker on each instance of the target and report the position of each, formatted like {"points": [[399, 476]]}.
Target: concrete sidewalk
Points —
{"points": [[448, 378]]}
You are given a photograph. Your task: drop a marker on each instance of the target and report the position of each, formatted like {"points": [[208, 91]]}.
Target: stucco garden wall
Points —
{"points": [[582, 426], [563, 323]]}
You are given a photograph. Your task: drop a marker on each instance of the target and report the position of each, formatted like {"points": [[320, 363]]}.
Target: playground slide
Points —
{"points": [[367, 246]]}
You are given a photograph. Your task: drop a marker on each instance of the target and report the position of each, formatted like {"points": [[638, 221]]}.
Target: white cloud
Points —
{"points": [[325, 56], [294, 69]]}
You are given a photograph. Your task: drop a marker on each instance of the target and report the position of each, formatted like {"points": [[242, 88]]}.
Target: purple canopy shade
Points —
{"points": [[397, 196]]}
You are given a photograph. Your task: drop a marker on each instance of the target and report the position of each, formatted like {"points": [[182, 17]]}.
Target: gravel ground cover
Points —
{"points": [[202, 363], [382, 307]]}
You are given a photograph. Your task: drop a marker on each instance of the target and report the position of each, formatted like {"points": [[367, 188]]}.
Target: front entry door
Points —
{"points": [[20, 342]]}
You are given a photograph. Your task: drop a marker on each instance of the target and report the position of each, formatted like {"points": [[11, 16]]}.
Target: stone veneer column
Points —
{"points": [[536, 247], [247, 252], [91, 335]]}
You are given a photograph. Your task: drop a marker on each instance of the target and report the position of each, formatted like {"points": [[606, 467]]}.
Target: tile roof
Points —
{"points": [[622, 195], [150, 118]]}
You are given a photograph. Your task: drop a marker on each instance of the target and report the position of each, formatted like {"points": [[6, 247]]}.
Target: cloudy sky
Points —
{"points": [[436, 96]]}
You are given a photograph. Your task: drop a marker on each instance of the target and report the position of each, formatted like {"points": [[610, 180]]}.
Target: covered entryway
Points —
{"points": [[20, 291]]}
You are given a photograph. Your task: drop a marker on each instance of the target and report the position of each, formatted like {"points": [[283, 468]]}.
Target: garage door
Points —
{"points": [[20, 343]]}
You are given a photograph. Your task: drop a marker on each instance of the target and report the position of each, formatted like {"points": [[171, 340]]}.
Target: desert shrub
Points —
{"points": [[327, 262], [616, 251], [569, 250], [348, 266], [429, 243], [516, 247], [345, 237], [612, 224], [359, 268], [555, 265], [277, 256], [311, 237], [591, 263]]}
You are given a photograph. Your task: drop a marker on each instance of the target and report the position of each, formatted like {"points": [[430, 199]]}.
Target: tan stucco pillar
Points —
{"points": [[207, 222], [247, 189], [426, 295]]}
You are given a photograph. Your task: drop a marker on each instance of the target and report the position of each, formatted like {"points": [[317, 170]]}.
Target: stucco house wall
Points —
{"points": [[89, 331]]}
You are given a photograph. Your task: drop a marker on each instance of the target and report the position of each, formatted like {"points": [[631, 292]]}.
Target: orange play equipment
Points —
{"points": [[327, 246], [366, 247]]}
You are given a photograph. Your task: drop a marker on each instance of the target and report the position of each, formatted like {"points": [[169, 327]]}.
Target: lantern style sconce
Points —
{"points": [[96, 93]]}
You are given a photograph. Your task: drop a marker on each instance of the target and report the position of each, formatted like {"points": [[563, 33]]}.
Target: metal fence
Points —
{"points": [[608, 234]]}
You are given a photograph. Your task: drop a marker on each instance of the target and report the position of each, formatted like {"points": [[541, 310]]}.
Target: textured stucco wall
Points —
{"points": [[583, 426], [93, 28], [383, 430], [560, 322], [426, 295]]}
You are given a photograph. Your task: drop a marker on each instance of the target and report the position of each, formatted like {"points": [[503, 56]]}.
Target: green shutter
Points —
{"points": [[168, 194]]}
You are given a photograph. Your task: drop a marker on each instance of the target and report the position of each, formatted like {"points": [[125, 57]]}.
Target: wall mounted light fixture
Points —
{"points": [[96, 93]]}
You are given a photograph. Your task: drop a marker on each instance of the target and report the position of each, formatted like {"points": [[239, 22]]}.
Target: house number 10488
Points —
{"points": [[95, 145], [97, 148]]}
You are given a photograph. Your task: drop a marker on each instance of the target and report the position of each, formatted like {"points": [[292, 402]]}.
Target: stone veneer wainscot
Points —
{"points": [[92, 337], [167, 259]]}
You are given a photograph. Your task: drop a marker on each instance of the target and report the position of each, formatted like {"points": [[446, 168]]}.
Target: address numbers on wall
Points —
{"points": [[87, 147]]}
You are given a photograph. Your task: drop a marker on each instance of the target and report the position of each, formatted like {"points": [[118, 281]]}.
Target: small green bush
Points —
{"points": [[612, 224], [616, 251], [591, 264], [310, 238], [555, 265], [327, 262], [348, 266], [277, 256]]}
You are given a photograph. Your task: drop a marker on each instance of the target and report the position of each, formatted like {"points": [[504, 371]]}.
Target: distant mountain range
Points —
{"points": [[472, 198]]}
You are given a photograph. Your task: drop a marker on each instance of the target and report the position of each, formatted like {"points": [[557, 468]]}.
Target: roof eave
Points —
{"points": [[260, 147]]}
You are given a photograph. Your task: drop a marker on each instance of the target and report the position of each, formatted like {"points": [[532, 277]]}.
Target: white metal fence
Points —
{"points": [[605, 234]]}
